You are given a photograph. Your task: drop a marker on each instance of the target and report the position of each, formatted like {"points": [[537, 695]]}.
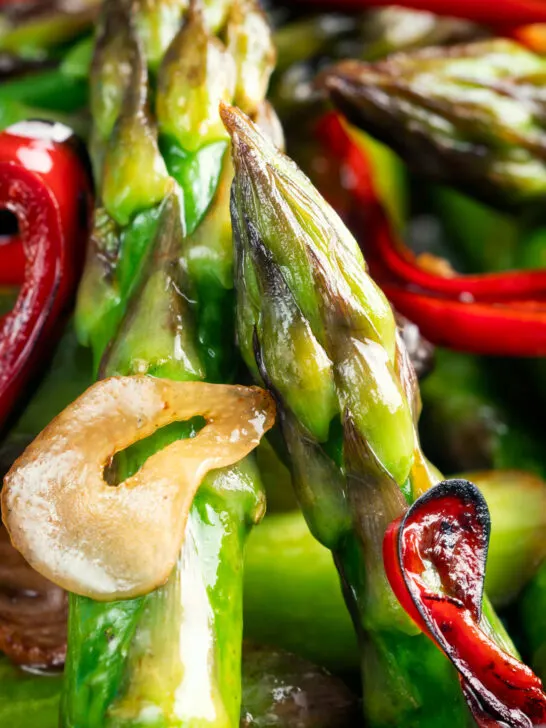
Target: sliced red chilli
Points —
{"points": [[435, 558]]}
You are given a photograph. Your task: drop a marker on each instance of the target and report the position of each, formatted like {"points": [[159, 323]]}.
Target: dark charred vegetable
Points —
{"points": [[33, 612], [280, 690], [465, 115], [435, 560]]}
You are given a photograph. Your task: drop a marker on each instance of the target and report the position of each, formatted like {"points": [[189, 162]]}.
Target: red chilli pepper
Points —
{"points": [[12, 261], [498, 313], [44, 182], [490, 12], [435, 559]]}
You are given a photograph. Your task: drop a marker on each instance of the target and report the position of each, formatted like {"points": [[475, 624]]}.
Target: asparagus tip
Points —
{"points": [[234, 119]]}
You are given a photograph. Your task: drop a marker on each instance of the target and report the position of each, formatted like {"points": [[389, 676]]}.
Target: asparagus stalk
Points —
{"points": [[292, 595], [318, 332], [464, 115], [171, 658], [28, 700]]}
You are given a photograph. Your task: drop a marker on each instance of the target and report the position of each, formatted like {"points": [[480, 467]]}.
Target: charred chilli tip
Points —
{"points": [[435, 560], [472, 517]]}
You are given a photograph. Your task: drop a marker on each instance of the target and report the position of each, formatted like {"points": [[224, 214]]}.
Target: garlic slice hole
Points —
{"points": [[120, 542], [129, 461]]}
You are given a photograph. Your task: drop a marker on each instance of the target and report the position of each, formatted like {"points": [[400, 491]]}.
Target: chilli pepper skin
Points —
{"points": [[506, 12], [435, 559], [299, 271], [45, 183], [464, 115], [497, 313], [475, 327]]}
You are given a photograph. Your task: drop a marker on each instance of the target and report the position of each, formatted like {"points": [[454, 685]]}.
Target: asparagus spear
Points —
{"points": [[292, 596], [318, 332], [468, 115], [171, 658], [196, 72], [28, 700]]}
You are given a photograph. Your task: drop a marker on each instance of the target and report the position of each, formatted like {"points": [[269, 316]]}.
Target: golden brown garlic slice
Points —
{"points": [[115, 542]]}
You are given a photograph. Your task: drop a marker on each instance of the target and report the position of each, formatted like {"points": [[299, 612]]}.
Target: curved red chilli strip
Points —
{"points": [[12, 261], [22, 193], [516, 329], [388, 258], [46, 186], [435, 561], [497, 13]]}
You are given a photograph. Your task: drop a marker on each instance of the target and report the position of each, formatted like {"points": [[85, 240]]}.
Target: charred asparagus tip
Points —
{"points": [[232, 117]]}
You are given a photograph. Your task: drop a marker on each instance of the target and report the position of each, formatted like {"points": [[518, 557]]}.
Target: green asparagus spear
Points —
{"points": [[468, 115], [292, 596], [369, 35], [171, 658], [309, 316], [51, 90], [28, 700], [196, 72]]}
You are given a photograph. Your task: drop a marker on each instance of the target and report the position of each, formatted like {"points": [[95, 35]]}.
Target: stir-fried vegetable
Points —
{"points": [[292, 283], [138, 493]]}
